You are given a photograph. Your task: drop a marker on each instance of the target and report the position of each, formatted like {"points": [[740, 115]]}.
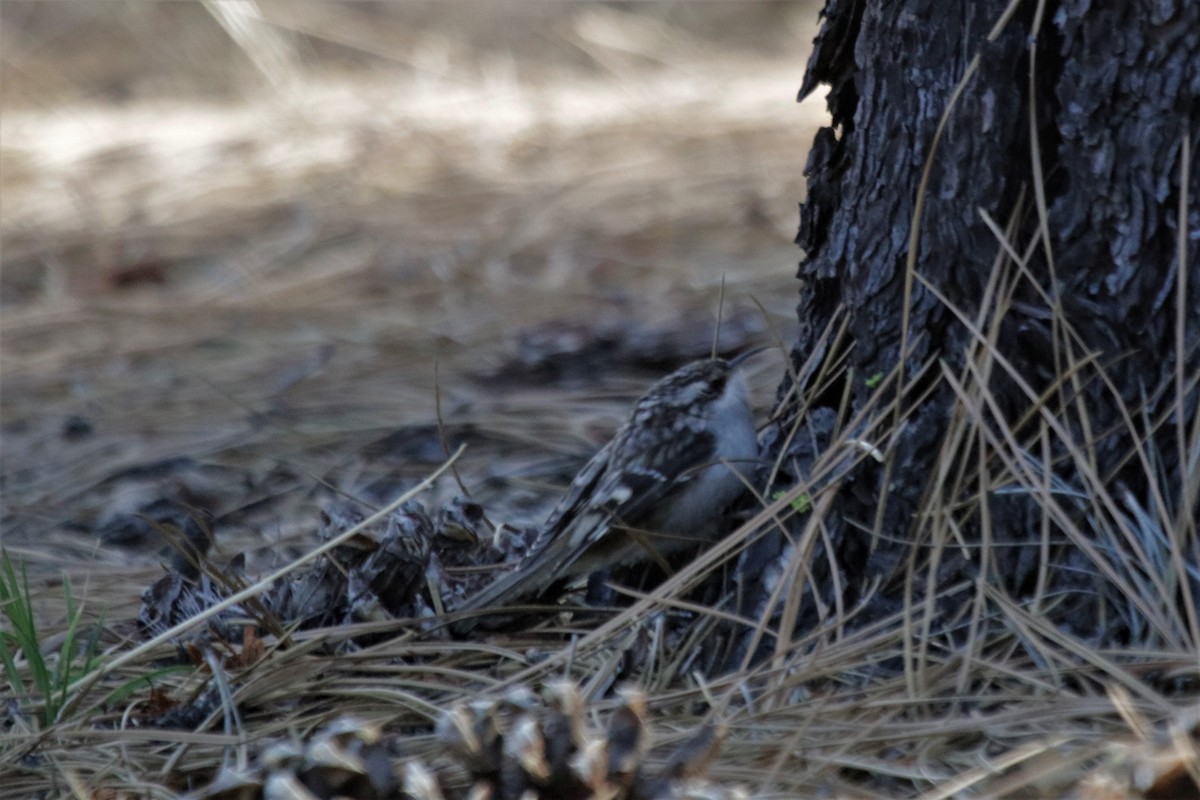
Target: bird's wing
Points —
{"points": [[616, 495], [603, 494], [582, 492], [653, 472], [531, 575]]}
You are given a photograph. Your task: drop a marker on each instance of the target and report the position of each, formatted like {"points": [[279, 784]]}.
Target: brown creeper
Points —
{"points": [[658, 486]]}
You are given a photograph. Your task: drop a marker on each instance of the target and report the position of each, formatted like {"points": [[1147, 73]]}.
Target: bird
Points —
{"points": [[658, 486]]}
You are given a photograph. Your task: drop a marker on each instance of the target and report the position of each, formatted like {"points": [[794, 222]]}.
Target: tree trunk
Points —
{"points": [[1045, 443]]}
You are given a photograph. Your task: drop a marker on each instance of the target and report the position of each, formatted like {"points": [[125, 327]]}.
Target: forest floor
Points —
{"points": [[256, 256]]}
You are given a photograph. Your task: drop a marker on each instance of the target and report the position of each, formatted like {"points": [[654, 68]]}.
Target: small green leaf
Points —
{"points": [[799, 504], [874, 381]]}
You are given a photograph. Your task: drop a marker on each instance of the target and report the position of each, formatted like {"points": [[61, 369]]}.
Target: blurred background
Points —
{"points": [[245, 237]]}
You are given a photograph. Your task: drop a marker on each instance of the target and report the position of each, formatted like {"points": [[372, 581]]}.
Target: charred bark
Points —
{"points": [[1103, 97]]}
